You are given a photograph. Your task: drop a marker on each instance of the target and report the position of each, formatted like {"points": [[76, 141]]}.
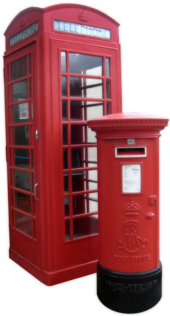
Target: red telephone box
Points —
{"points": [[61, 68], [129, 270]]}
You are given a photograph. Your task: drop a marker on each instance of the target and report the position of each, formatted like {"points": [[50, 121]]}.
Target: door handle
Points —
{"points": [[35, 185]]}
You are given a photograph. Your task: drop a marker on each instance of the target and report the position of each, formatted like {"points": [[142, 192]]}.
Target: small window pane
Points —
{"points": [[64, 110], [19, 68], [108, 107], [22, 180], [107, 67], [85, 226], [30, 80], [21, 158], [65, 134], [63, 61], [67, 230], [64, 86], [30, 65], [20, 113], [8, 73], [8, 94], [86, 87], [76, 157], [21, 135], [86, 64], [108, 92], [77, 134], [77, 110], [65, 158], [66, 183], [23, 202], [19, 91], [32, 157], [92, 156], [23, 223], [94, 110], [66, 205], [78, 181]]}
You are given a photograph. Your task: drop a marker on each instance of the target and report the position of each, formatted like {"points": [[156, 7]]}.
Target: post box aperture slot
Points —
{"points": [[129, 152]]}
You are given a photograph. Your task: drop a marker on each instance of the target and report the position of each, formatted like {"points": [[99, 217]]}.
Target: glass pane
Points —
{"points": [[77, 134], [66, 205], [94, 110], [78, 181], [19, 68], [21, 135], [77, 110], [85, 226], [32, 157], [19, 91], [8, 94], [11, 177], [93, 202], [33, 182], [23, 223], [79, 204], [108, 93], [86, 87], [22, 180], [76, 157], [65, 134], [93, 179], [23, 202], [85, 64], [8, 73], [30, 80], [33, 203], [66, 183], [21, 158], [64, 86], [107, 65], [20, 113], [31, 111], [63, 61], [92, 156], [30, 65], [12, 198], [65, 158], [9, 114], [108, 108], [67, 230], [91, 136], [64, 110]]}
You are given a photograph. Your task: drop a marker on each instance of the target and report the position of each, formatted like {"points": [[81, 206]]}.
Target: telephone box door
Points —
{"points": [[22, 152], [88, 86]]}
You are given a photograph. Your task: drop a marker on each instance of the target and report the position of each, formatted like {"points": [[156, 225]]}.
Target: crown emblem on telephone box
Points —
{"points": [[83, 17]]}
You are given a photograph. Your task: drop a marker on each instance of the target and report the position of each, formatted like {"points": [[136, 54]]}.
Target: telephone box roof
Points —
{"points": [[46, 6]]}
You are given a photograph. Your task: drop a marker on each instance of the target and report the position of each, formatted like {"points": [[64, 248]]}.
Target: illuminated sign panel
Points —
{"points": [[30, 30], [81, 29]]}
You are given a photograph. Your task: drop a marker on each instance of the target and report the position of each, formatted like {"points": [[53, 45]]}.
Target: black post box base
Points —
{"points": [[129, 292]]}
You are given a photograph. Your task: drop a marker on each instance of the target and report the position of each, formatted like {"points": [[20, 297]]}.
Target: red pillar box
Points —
{"points": [[129, 270], [61, 68]]}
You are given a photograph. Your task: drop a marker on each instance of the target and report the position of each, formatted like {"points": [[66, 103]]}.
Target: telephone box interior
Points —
{"points": [[61, 69]]}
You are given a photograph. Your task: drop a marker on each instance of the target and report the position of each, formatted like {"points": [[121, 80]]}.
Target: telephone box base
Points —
{"points": [[129, 292]]}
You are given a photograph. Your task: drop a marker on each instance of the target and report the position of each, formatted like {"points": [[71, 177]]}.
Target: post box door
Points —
{"points": [[21, 123], [88, 87], [130, 236]]}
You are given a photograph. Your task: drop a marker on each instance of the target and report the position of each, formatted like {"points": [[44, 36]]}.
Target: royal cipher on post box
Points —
{"points": [[61, 68], [129, 270]]}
